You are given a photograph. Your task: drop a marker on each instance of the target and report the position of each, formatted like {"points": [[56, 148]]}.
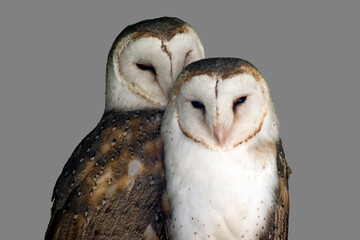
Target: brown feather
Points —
{"points": [[278, 226], [166, 213], [111, 186]]}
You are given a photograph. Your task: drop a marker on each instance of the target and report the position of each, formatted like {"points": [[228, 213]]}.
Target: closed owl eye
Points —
{"points": [[238, 102], [198, 105], [146, 67]]}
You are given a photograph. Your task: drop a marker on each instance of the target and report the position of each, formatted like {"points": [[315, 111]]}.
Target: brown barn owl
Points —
{"points": [[111, 186], [226, 173]]}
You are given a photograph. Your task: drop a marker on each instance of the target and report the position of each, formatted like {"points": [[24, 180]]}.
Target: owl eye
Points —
{"points": [[198, 105], [238, 102], [145, 67]]}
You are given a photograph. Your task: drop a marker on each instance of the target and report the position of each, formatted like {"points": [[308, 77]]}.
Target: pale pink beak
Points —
{"points": [[220, 133]]}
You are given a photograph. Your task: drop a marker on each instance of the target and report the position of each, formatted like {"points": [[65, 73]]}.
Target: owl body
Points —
{"points": [[243, 179], [111, 186], [220, 186]]}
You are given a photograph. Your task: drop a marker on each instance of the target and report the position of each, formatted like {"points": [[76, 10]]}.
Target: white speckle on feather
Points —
{"points": [[134, 168]]}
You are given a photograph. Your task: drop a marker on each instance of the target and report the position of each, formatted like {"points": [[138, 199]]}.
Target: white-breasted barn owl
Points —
{"points": [[111, 186], [226, 173]]}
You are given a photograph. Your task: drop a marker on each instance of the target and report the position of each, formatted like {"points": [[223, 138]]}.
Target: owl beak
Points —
{"points": [[220, 133]]}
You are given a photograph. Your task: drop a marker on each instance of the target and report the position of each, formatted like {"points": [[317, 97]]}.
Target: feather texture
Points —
{"points": [[111, 186]]}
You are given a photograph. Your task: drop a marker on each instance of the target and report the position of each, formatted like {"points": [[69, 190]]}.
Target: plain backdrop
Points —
{"points": [[52, 81]]}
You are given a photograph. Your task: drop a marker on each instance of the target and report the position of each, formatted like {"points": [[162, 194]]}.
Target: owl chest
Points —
{"points": [[226, 197]]}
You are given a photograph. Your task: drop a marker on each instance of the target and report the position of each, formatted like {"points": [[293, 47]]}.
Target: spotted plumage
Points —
{"points": [[113, 174], [112, 184], [226, 173]]}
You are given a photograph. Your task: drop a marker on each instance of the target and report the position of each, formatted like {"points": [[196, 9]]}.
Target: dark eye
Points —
{"points": [[145, 67], [239, 101], [198, 105]]}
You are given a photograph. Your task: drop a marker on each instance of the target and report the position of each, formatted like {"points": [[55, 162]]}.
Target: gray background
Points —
{"points": [[52, 67]]}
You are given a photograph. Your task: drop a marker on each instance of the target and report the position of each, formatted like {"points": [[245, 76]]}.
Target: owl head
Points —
{"points": [[145, 60], [222, 103]]}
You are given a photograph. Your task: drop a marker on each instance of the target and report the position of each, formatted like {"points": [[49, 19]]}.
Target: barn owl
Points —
{"points": [[111, 186], [226, 174]]}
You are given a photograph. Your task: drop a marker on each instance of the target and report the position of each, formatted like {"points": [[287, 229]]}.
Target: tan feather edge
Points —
{"points": [[278, 226], [283, 206]]}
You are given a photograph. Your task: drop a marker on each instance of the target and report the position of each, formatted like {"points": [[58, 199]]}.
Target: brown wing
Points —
{"points": [[278, 226], [111, 186], [166, 214]]}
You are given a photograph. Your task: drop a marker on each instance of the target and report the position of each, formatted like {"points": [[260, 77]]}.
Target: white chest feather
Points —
{"points": [[218, 195]]}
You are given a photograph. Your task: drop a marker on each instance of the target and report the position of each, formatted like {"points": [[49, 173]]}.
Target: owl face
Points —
{"points": [[145, 60], [221, 110]]}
